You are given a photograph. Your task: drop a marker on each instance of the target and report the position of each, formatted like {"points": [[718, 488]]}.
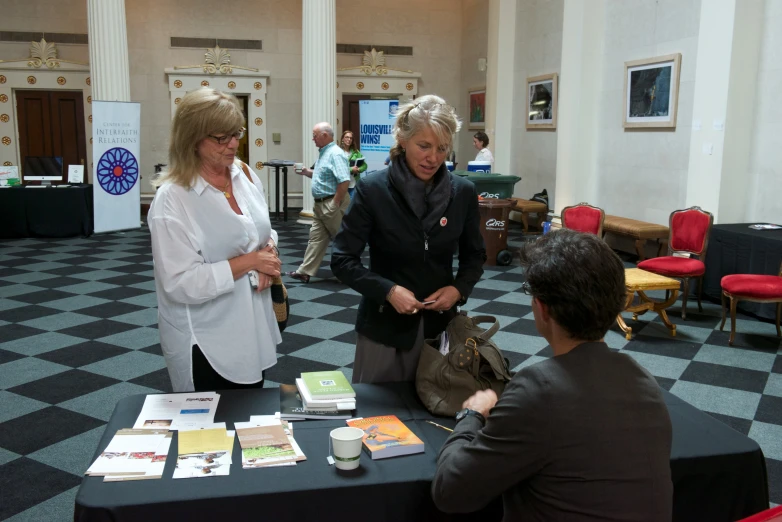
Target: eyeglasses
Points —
{"points": [[526, 288], [224, 140]]}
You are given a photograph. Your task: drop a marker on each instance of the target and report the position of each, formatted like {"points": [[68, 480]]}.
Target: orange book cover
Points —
{"points": [[386, 436]]}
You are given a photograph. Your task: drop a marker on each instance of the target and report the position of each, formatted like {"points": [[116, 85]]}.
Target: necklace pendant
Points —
{"points": [[227, 195]]}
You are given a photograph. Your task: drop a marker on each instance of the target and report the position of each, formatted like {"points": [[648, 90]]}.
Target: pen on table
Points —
{"points": [[440, 426]]}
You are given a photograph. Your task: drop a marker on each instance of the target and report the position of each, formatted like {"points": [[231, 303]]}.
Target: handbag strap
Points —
{"points": [[246, 171], [488, 333]]}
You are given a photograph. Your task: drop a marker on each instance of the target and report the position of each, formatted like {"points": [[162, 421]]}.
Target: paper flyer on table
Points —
{"points": [[129, 451], [205, 462], [155, 469], [177, 411], [264, 445]]}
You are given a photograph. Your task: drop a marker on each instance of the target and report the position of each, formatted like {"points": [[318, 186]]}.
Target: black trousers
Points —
{"points": [[205, 378]]}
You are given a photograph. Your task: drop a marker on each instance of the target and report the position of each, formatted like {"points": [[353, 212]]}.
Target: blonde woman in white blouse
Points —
{"points": [[481, 142], [210, 228]]}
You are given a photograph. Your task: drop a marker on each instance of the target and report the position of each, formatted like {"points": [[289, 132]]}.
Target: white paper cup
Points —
{"points": [[298, 167], [346, 446]]}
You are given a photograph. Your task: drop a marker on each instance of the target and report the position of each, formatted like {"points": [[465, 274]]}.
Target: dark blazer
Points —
{"points": [[401, 252], [581, 436]]}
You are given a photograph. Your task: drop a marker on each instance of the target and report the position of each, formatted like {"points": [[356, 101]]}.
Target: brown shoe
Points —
{"points": [[304, 278]]}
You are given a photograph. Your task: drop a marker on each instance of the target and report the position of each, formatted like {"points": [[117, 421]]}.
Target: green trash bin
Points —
{"points": [[491, 186]]}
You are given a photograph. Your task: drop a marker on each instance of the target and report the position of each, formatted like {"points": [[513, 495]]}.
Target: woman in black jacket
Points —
{"points": [[414, 216]]}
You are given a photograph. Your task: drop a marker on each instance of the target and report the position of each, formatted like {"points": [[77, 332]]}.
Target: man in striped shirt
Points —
{"points": [[330, 180]]}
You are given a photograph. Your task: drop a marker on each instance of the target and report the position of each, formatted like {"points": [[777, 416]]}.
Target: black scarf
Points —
{"points": [[428, 201]]}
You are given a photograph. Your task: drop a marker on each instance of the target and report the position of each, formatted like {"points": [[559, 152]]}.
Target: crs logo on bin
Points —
{"points": [[489, 195], [493, 224]]}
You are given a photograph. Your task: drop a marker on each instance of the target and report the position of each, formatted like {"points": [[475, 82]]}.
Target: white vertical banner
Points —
{"points": [[116, 147], [377, 123]]}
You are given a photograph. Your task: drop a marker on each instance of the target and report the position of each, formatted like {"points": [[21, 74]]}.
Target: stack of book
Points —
{"points": [[321, 395], [267, 441]]}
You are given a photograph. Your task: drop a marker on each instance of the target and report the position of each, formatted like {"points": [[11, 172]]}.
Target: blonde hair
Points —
{"points": [[200, 113], [427, 111]]}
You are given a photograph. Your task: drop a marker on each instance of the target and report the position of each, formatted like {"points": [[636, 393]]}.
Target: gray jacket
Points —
{"points": [[581, 436]]}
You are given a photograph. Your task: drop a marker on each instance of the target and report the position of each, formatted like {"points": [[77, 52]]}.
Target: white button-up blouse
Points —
{"points": [[194, 234]]}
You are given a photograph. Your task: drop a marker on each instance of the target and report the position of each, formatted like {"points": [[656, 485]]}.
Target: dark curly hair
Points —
{"points": [[482, 137], [579, 278]]}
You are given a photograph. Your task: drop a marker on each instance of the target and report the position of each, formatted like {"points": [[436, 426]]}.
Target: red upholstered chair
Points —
{"points": [[769, 515], [584, 218], [690, 229], [751, 287]]}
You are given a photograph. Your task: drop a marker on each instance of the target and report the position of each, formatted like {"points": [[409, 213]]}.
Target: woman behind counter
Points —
{"points": [[415, 216], [210, 227], [348, 144]]}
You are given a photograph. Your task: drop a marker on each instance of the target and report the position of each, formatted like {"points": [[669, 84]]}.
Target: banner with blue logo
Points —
{"points": [[377, 123], [116, 144]]}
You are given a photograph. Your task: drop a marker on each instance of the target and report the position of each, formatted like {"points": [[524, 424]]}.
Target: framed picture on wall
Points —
{"points": [[651, 92], [477, 108], [542, 102]]}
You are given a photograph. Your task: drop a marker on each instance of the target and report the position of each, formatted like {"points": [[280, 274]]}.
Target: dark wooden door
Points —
{"points": [[51, 123], [350, 115]]}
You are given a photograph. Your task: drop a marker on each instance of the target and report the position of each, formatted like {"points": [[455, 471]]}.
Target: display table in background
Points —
{"points": [[738, 249], [718, 473], [46, 211], [280, 164]]}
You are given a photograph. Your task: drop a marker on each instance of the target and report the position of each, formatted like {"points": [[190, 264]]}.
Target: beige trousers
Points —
{"points": [[325, 225]]}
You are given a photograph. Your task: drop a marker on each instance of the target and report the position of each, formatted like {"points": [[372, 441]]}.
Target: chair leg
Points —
{"points": [[733, 302], [779, 314], [700, 291], [667, 294], [723, 311], [685, 295]]}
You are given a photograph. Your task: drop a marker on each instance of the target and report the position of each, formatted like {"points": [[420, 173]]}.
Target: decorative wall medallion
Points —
{"points": [[337, 121], [384, 86], [7, 164], [257, 86], [259, 121], [258, 103], [176, 102], [61, 80], [3, 98], [89, 118], [31, 80], [409, 86], [259, 165], [43, 52], [89, 99], [337, 103], [177, 83], [4, 118], [259, 142], [232, 85], [88, 81], [337, 85], [6, 140], [90, 141], [2, 78], [117, 171], [360, 85], [204, 83]]}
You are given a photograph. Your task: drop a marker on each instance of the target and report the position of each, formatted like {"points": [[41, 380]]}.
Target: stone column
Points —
{"points": [[500, 82], [318, 80], [108, 37]]}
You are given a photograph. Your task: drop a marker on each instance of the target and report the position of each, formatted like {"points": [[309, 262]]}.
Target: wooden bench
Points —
{"points": [[525, 207], [639, 231]]}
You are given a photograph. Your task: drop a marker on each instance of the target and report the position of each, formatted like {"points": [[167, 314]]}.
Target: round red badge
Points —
{"points": [[443, 221]]}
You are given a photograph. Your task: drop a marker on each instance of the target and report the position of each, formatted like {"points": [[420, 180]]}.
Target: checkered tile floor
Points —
{"points": [[78, 332]]}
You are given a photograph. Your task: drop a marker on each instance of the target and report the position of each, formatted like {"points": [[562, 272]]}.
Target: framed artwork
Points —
{"points": [[477, 108], [651, 92], [542, 102]]}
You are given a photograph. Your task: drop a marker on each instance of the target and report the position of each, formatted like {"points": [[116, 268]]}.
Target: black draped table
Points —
{"points": [[46, 211], [738, 249], [718, 473], [280, 164]]}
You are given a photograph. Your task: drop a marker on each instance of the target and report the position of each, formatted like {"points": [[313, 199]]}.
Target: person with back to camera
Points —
{"points": [[481, 142], [584, 435], [415, 216], [348, 145], [210, 228]]}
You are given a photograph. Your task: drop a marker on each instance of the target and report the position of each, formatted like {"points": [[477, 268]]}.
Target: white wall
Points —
{"points": [[765, 176], [474, 45], [538, 51], [642, 173]]}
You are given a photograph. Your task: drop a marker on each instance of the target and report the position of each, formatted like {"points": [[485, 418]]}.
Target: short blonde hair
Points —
{"points": [[200, 113], [427, 111]]}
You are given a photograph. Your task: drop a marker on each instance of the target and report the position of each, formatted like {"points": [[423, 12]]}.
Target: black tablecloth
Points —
{"points": [[46, 212], [738, 249], [718, 473]]}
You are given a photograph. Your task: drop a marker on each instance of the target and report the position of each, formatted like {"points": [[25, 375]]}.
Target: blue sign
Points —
{"points": [[117, 171]]}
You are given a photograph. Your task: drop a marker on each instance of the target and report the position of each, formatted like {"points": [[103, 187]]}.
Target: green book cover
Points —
{"points": [[328, 385]]}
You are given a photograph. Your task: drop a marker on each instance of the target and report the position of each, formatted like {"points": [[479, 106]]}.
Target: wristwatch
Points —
{"points": [[465, 412]]}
